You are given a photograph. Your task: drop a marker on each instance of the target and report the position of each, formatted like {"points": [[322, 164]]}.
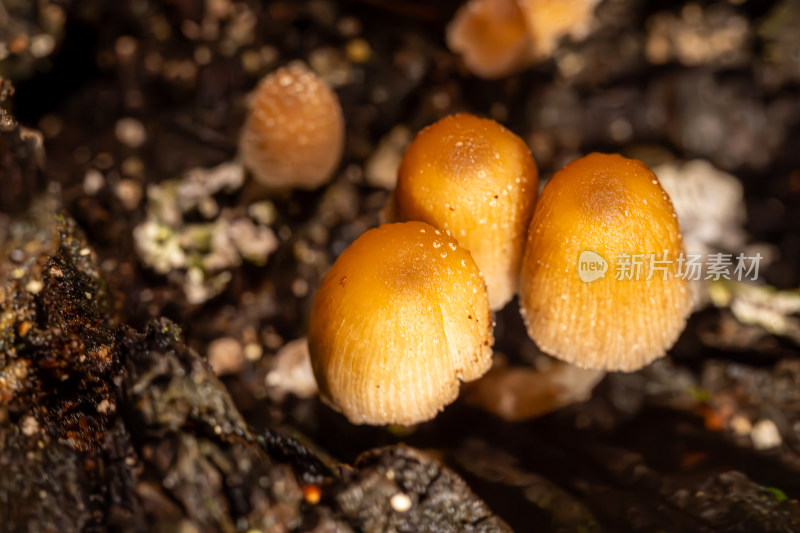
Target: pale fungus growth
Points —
{"points": [[395, 327], [294, 133], [476, 180], [130, 132], [291, 372], [225, 356], [599, 283]]}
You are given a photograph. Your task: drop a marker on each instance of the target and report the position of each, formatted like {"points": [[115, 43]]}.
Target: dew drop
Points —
{"points": [[285, 80]]}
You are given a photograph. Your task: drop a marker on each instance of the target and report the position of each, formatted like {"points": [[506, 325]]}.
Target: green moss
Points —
{"points": [[780, 496]]}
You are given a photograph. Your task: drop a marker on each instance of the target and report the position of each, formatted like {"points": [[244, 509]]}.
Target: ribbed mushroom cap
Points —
{"points": [[398, 321], [294, 133], [592, 217], [476, 180]]}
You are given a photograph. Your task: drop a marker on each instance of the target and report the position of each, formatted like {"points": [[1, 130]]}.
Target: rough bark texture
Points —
{"points": [[102, 427]]}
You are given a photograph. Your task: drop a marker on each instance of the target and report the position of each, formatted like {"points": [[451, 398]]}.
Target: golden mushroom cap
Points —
{"points": [[399, 320], [294, 133], [580, 294], [476, 180]]}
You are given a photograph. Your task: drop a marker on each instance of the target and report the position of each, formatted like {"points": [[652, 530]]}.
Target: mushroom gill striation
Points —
{"points": [[399, 320], [476, 180], [599, 282]]}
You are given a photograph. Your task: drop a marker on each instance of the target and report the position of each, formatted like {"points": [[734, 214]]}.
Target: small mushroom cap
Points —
{"points": [[476, 180], [591, 219], [398, 321], [294, 133], [491, 36]]}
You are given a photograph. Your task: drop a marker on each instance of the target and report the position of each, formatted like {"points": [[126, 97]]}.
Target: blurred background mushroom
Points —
{"points": [[500, 37], [492, 37], [517, 393], [294, 134]]}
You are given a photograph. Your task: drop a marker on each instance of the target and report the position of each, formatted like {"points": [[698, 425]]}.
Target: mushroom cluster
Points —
{"points": [[404, 313]]}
